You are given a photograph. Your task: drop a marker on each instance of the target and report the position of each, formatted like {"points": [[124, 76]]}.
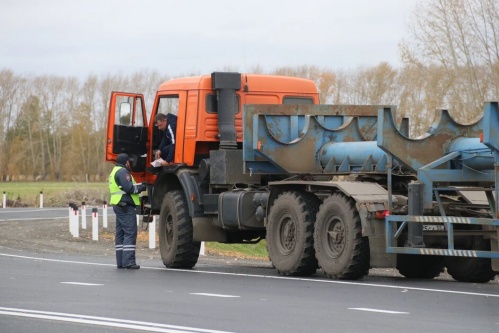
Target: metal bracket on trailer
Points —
{"points": [[449, 224]]}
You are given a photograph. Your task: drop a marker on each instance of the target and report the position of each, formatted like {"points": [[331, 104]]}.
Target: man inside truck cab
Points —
{"points": [[167, 123]]}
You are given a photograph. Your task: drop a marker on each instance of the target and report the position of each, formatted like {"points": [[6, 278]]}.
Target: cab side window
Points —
{"points": [[129, 111], [297, 100]]}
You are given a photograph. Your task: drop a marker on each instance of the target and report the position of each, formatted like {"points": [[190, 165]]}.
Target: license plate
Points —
{"points": [[433, 227]]}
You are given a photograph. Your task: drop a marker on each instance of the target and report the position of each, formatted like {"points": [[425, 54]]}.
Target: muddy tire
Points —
{"points": [[476, 270], [419, 267], [175, 233], [472, 269], [340, 249], [290, 230]]}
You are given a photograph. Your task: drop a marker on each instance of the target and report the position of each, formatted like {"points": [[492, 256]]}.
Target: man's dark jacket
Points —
{"points": [[169, 136]]}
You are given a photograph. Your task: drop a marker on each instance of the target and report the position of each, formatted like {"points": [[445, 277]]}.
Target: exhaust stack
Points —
{"points": [[226, 85]]}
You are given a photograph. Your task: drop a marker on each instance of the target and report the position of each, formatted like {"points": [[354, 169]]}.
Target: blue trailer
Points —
{"points": [[357, 193]]}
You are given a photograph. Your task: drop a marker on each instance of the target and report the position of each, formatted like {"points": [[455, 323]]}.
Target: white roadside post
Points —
{"points": [[4, 200], [71, 213], [202, 250], [41, 199], [95, 224], [83, 216], [76, 224], [104, 215], [152, 233]]}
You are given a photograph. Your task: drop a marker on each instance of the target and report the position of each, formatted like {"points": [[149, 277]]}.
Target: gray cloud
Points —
{"points": [[93, 36]]}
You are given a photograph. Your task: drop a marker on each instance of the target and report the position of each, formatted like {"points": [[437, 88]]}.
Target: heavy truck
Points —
{"points": [[337, 187]]}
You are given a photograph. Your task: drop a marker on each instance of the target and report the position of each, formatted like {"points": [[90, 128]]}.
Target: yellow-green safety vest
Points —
{"points": [[117, 192]]}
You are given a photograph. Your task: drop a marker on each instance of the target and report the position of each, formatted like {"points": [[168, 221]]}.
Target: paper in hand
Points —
{"points": [[157, 163]]}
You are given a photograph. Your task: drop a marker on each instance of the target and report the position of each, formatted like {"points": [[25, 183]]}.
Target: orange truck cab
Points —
{"points": [[194, 196], [194, 101]]}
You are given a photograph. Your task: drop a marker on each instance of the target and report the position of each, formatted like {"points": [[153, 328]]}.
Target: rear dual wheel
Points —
{"points": [[471, 269], [340, 249], [419, 267]]}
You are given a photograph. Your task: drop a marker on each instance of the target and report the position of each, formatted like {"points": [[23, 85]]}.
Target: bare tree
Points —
{"points": [[11, 86], [375, 85], [461, 37]]}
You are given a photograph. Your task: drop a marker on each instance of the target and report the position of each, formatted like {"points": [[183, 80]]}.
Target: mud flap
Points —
{"points": [[375, 230]]}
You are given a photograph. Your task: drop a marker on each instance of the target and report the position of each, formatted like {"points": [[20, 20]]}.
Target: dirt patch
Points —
{"points": [[53, 236]]}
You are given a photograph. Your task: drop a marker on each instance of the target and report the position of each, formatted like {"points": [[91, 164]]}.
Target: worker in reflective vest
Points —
{"points": [[124, 197]]}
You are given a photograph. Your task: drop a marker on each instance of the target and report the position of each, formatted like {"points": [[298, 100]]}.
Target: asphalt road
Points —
{"points": [[52, 292], [30, 214]]}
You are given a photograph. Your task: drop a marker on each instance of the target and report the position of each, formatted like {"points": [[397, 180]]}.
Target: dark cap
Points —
{"points": [[122, 159]]}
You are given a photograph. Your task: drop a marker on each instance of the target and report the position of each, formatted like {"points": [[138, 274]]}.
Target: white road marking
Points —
{"points": [[352, 283], [213, 295], [83, 283], [57, 260], [103, 321], [378, 310]]}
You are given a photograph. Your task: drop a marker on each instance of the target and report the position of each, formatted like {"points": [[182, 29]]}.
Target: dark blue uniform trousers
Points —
{"points": [[167, 153], [126, 235]]}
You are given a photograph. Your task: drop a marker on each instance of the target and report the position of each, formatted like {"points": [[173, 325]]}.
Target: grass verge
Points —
{"points": [[245, 251], [55, 194]]}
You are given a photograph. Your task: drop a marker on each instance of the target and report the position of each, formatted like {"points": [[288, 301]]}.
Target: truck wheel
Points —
{"points": [[340, 249], [477, 270], [290, 230], [470, 269], [175, 233], [419, 267]]}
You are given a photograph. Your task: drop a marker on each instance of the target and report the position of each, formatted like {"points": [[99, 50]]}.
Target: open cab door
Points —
{"points": [[127, 131]]}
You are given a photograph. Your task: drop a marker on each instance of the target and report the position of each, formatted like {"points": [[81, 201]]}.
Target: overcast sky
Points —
{"points": [[83, 37]]}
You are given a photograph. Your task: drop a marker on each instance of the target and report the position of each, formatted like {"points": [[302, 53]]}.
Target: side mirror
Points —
{"points": [[125, 112]]}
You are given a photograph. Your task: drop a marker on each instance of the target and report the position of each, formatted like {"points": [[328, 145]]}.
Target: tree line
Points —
{"points": [[54, 128]]}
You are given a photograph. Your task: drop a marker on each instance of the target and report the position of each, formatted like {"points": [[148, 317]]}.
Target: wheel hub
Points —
{"points": [[169, 229], [287, 236], [335, 238]]}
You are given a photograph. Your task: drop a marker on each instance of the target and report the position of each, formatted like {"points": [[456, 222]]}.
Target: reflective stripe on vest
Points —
{"points": [[116, 192]]}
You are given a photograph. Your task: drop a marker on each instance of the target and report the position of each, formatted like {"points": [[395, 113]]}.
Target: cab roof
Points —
{"points": [[255, 83]]}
